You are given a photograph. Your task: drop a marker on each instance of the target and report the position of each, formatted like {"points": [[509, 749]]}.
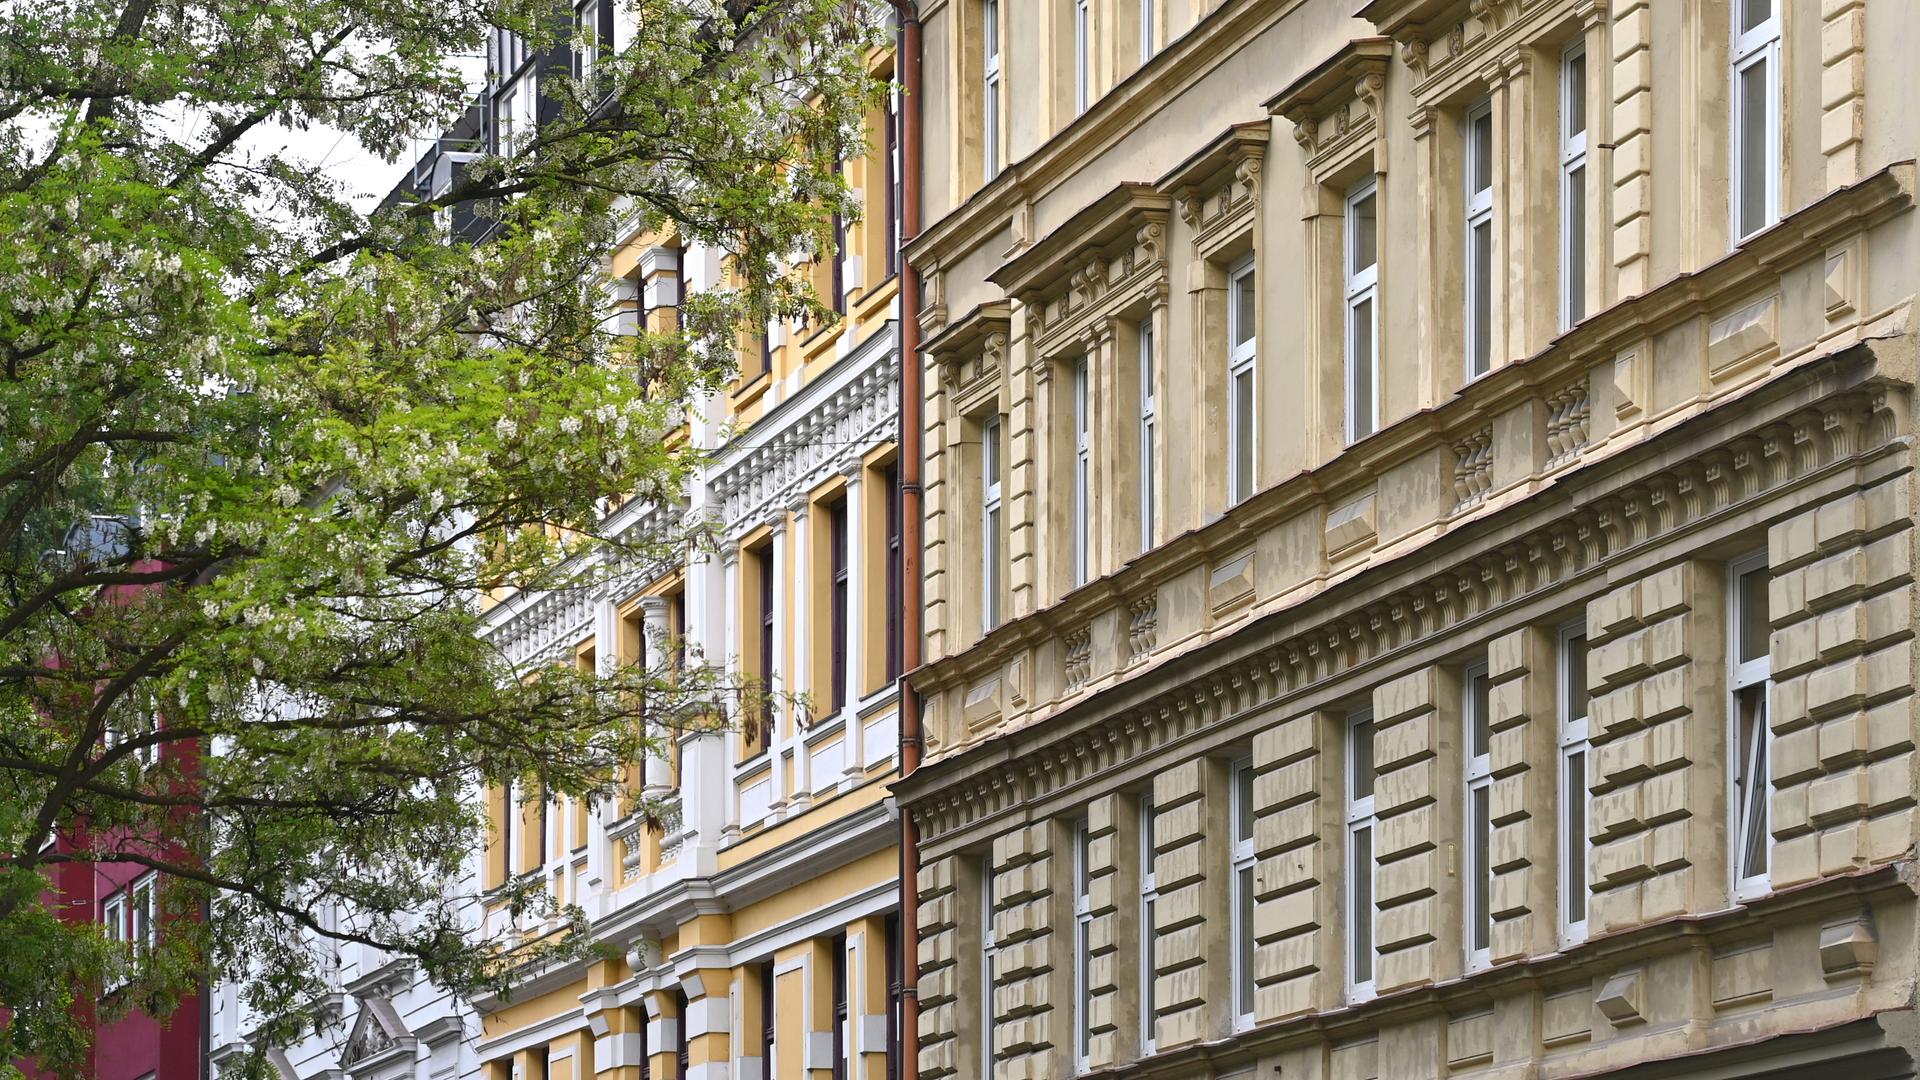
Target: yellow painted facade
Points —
{"points": [[751, 917]]}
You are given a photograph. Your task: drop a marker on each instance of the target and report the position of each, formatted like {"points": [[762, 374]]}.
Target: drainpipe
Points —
{"points": [[907, 66]]}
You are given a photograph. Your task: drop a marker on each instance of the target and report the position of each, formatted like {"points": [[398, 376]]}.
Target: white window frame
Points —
{"points": [[1240, 878], [1082, 948], [114, 920], [1149, 420], [1576, 741], [1479, 203], [1082, 55], [989, 948], [586, 19], [1241, 362], [1476, 719], [144, 907], [1362, 287], [991, 511], [990, 89], [1756, 47], [518, 111], [1573, 183], [1756, 673], [1148, 17], [1149, 895], [1082, 529], [1360, 819]]}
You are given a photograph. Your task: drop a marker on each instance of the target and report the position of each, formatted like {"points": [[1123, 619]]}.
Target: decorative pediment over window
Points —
{"points": [[1335, 108], [1104, 257], [378, 1038], [973, 347], [1437, 35], [1218, 189]]}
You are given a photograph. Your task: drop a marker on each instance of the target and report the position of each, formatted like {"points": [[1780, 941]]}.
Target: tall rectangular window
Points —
{"points": [[1082, 473], [1575, 746], [890, 480], [1242, 305], [1756, 116], [891, 156], [1362, 319], [989, 523], [1082, 946], [842, 1020], [1360, 865], [837, 584], [989, 948], [989, 89], [767, 1027], [1479, 169], [892, 928], [1573, 183], [1149, 24], [113, 920], [763, 737], [1750, 740], [1149, 893], [1082, 55], [1241, 823], [1479, 769], [146, 913], [1149, 420]]}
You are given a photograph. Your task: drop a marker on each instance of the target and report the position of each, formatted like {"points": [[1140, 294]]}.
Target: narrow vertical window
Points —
{"points": [[1573, 183], [1479, 761], [767, 1028], [1149, 20], [1360, 865], [891, 480], [680, 1034], [990, 89], [839, 298], [1241, 814], [1479, 169], [1149, 893], [113, 920], [891, 156], [764, 734], [1082, 55], [842, 1043], [1242, 304], [989, 948], [1082, 947], [1362, 319], [1575, 746], [1149, 417], [1750, 740], [146, 926], [1756, 116], [1082, 472], [893, 992], [837, 603], [990, 523]]}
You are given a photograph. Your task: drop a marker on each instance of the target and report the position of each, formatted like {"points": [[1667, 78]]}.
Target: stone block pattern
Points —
{"points": [[1842, 604], [1523, 715], [1843, 88], [940, 475], [1297, 831], [1112, 952], [1633, 145], [1189, 916], [1031, 1015], [1657, 671], [1417, 796], [938, 955]]}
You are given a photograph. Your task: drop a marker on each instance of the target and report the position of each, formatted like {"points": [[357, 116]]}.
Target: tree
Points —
{"points": [[263, 454]]}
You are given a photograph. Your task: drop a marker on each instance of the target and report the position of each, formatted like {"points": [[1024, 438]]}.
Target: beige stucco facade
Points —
{"points": [[1419, 539]]}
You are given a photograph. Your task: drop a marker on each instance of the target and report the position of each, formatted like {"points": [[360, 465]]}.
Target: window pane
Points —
{"points": [[1754, 12], [1575, 74], [1480, 151], [1576, 675], [1479, 700], [1753, 782], [1576, 211], [1753, 614], [1574, 874], [1360, 954], [1482, 870], [1754, 163], [1243, 435], [1243, 804], [1482, 286], [1365, 246], [1360, 779], [1243, 943], [1360, 407], [1243, 308]]}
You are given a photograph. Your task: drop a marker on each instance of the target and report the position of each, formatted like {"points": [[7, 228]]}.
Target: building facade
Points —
{"points": [[1419, 567], [748, 893]]}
